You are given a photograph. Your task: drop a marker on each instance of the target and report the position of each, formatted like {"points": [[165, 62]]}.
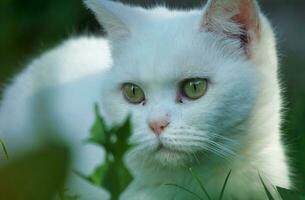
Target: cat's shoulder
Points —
{"points": [[72, 59]]}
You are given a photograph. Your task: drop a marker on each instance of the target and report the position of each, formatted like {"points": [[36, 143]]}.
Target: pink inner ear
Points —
{"points": [[248, 19]]}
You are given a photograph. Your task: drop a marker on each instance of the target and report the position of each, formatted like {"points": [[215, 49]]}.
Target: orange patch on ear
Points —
{"points": [[248, 19], [248, 16]]}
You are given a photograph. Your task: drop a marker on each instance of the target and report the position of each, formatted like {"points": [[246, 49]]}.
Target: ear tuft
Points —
{"points": [[233, 18], [107, 13]]}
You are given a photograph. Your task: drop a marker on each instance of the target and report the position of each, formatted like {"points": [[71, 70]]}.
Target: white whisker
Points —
{"points": [[191, 138]]}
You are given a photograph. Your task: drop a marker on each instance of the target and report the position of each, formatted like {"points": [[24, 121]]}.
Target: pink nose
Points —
{"points": [[158, 126]]}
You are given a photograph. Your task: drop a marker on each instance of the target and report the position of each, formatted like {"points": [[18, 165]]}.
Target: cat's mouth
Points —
{"points": [[161, 154], [164, 149], [161, 147], [167, 156]]}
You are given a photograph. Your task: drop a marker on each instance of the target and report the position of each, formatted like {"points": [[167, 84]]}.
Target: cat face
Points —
{"points": [[187, 88]]}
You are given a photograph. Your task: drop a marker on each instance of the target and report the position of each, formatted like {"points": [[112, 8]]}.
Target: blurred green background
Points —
{"points": [[28, 28]]}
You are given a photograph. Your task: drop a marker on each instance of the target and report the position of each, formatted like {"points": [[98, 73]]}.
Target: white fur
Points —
{"points": [[55, 94], [158, 49]]}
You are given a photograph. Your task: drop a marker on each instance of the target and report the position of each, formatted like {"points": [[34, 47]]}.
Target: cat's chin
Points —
{"points": [[160, 156], [170, 157]]}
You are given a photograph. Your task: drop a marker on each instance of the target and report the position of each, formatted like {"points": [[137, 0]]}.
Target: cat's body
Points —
{"points": [[234, 126], [50, 99]]}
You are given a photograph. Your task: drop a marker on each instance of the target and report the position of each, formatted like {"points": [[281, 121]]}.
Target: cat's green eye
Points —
{"points": [[194, 88], [133, 93]]}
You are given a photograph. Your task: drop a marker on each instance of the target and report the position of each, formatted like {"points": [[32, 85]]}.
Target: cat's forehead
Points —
{"points": [[170, 60], [170, 49]]}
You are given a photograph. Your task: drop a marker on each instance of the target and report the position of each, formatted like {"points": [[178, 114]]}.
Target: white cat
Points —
{"points": [[201, 86]]}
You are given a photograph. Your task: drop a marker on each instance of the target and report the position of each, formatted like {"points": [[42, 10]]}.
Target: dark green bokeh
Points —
{"points": [[27, 28], [37, 175]]}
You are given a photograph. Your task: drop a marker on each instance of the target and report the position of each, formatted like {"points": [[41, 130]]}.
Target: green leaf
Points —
{"points": [[266, 189], [63, 196], [4, 149], [289, 194], [225, 185], [99, 129], [35, 176], [98, 176], [119, 138], [115, 178], [124, 131], [81, 175], [124, 177], [186, 190], [112, 174], [200, 183]]}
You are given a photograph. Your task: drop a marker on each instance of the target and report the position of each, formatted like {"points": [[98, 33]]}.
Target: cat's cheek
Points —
{"points": [[118, 110], [114, 108]]}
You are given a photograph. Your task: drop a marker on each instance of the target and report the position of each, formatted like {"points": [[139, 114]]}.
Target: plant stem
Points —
{"points": [[4, 149], [224, 186]]}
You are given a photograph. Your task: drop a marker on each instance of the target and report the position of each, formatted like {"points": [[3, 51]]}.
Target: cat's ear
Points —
{"points": [[115, 17], [233, 18]]}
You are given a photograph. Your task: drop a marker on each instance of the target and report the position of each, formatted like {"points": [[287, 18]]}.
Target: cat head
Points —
{"points": [[189, 79]]}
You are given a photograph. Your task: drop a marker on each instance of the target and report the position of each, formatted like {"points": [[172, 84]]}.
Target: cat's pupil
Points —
{"points": [[133, 90], [195, 86]]}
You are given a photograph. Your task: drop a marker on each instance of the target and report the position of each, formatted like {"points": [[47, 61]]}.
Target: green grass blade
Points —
{"points": [[186, 190], [4, 149], [266, 189], [200, 183], [81, 175], [224, 185], [289, 194]]}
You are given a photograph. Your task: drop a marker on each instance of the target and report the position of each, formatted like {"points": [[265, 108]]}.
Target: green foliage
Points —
{"points": [[266, 189], [224, 185], [199, 182], [186, 190], [41, 175], [285, 194], [63, 196], [70, 198], [4, 148], [289, 194], [196, 177], [112, 174], [36, 176]]}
